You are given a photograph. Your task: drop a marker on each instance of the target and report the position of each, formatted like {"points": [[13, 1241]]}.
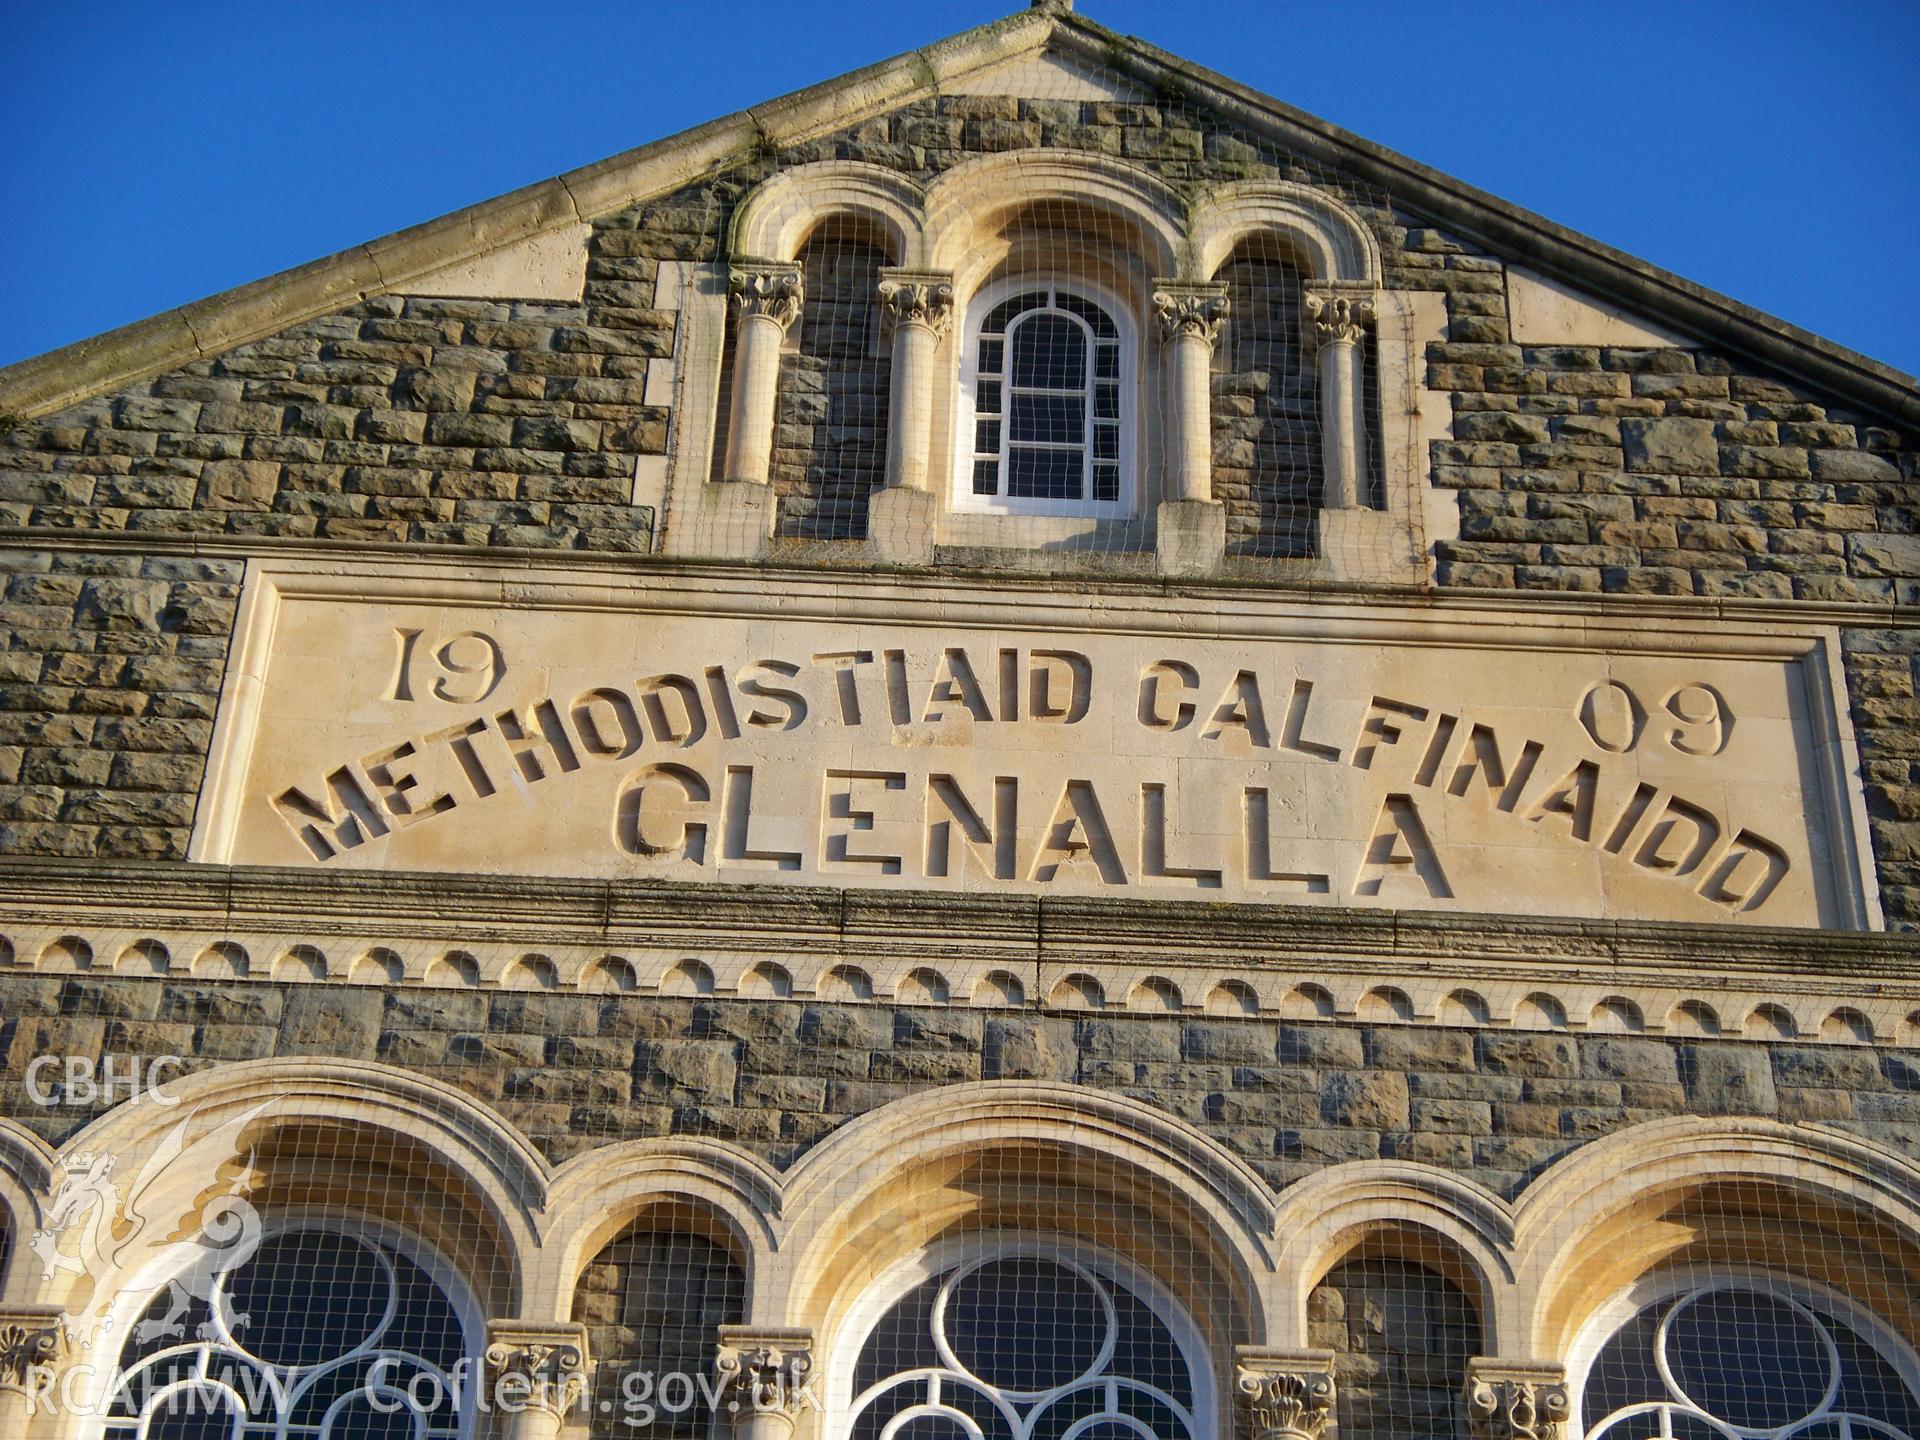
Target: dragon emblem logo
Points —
{"points": [[97, 1224]]}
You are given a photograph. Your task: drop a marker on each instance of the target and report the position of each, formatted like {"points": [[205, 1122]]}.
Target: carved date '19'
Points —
{"points": [[465, 669], [1615, 718]]}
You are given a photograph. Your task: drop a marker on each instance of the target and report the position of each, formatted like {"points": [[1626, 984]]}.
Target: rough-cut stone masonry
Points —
{"points": [[1266, 423], [515, 424], [108, 683], [462, 422], [830, 439], [1401, 1337], [651, 1301], [575, 1071], [1883, 679]]}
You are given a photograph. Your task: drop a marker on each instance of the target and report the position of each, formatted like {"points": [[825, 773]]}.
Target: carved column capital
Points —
{"points": [[1335, 318], [542, 1366], [1183, 308], [763, 1371], [1510, 1400], [1283, 1394], [773, 290], [34, 1344], [917, 297]]}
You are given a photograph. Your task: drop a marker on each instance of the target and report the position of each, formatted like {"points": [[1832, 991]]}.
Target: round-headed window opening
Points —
{"points": [[1007, 1337], [1710, 1352], [1047, 400], [312, 1326]]}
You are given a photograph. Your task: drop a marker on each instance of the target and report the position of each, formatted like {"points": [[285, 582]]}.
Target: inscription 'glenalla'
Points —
{"points": [[1317, 768]]}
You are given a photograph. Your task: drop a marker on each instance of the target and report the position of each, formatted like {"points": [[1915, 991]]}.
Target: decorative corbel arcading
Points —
{"points": [[764, 1372], [1509, 1400], [543, 1367], [1283, 1394]]}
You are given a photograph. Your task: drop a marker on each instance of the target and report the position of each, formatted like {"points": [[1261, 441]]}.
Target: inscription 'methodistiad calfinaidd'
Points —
{"points": [[1338, 764]]}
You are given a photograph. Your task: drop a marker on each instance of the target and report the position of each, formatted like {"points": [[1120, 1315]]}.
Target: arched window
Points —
{"points": [[1046, 423], [1744, 1357], [1006, 1341], [318, 1331]]}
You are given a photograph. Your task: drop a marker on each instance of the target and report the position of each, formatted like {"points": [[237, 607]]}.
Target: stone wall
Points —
{"points": [[1266, 420], [459, 422], [108, 684], [651, 1302], [830, 434], [1663, 471], [575, 1071], [1401, 1337]]}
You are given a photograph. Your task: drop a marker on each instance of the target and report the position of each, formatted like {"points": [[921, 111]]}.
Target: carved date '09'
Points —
{"points": [[465, 668], [1615, 718]]}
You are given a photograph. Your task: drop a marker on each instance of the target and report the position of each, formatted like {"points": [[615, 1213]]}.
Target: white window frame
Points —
{"points": [[978, 308], [1604, 1323], [139, 1293], [894, 1284]]}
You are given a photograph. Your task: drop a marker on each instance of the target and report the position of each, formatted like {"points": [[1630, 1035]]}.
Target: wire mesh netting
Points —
{"points": [[314, 1203]]}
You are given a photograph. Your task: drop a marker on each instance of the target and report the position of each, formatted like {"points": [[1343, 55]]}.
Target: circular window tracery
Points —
{"points": [[318, 1332], [1742, 1359], [1025, 1345]]}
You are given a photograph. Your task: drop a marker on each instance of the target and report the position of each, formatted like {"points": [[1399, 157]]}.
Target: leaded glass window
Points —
{"points": [[1013, 1345], [316, 1334], [1742, 1359]]}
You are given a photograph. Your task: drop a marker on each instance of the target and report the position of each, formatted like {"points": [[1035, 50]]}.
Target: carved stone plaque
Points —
{"points": [[865, 732]]}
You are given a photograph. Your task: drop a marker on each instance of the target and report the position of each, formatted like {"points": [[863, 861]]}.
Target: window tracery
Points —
{"points": [[1743, 1358], [1018, 1342], [322, 1333]]}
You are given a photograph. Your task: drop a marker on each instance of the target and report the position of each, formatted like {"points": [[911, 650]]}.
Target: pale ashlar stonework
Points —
{"points": [[1489, 760]]}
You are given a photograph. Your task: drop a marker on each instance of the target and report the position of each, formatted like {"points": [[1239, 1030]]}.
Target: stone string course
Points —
{"points": [[482, 423], [576, 1071], [1815, 1009]]}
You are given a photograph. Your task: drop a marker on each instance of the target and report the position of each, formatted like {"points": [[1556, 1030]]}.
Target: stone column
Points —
{"points": [[764, 1379], [1336, 327], [1283, 1394], [917, 308], [1190, 318], [34, 1349], [1190, 529], [536, 1376], [1516, 1400], [767, 299]]}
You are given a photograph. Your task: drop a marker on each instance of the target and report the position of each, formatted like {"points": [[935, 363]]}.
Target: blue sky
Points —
{"points": [[155, 153]]}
